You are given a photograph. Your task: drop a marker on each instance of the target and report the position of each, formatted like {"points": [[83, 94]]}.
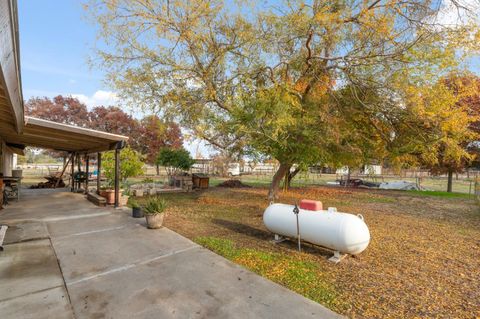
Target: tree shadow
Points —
{"points": [[243, 229], [290, 244]]}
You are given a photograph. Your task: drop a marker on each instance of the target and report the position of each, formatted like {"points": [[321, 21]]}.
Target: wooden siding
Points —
{"points": [[11, 99]]}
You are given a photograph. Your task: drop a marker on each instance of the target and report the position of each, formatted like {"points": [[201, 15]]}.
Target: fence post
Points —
{"points": [[476, 188]]}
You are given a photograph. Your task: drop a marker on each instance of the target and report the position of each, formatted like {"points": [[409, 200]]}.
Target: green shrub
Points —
{"points": [[130, 164], [133, 203], [155, 205], [174, 160], [147, 180]]}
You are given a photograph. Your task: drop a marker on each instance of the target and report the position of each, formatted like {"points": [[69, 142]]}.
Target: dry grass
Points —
{"points": [[423, 260]]}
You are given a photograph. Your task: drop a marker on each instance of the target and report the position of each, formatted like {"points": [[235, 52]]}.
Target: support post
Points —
{"points": [[99, 166], [87, 162], [72, 182], [117, 176]]}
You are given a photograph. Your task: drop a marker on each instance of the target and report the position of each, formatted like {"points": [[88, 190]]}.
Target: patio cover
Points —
{"points": [[62, 137]]}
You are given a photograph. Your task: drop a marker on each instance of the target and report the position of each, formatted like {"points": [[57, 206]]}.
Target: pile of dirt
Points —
{"points": [[233, 183]]}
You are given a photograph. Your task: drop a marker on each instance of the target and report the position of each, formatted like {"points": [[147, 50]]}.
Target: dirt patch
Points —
{"points": [[233, 183]]}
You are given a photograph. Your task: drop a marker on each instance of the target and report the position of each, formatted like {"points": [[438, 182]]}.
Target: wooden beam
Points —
{"points": [[87, 162], [99, 170], [10, 61], [117, 177], [63, 134], [74, 129], [72, 183], [57, 144]]}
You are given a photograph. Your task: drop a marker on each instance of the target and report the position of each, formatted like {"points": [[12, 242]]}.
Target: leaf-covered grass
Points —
{"points": [[421, 262], [304, 277], [439, 194]]}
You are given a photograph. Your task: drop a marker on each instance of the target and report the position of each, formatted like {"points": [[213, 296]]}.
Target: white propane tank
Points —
{"points": [[341, 232]]}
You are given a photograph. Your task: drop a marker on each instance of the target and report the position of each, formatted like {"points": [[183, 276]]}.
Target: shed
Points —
{"points": [[200, 180]]}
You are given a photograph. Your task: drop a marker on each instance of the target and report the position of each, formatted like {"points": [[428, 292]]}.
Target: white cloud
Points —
{"points": [[100, 97], [453, 14]]}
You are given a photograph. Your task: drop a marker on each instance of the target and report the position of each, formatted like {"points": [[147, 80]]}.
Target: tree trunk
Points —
{"points": [[291, 175], [158, 169], [277, 178], [347, 183], [450, 181]]}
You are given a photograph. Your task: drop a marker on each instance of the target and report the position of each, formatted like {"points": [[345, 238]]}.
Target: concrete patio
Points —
{"points": [[66, 258]]}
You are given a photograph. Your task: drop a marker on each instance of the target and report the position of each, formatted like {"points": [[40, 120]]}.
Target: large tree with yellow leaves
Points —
{"points": [[301, 81]]}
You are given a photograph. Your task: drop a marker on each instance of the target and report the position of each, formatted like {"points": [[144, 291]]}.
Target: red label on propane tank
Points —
{"points": [[309, 204]]}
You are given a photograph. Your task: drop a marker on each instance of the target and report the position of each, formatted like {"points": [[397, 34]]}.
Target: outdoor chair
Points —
{"points": [[11, 191]]}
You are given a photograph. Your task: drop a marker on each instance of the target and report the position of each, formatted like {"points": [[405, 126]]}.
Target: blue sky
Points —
{"points": [[55, 42]]}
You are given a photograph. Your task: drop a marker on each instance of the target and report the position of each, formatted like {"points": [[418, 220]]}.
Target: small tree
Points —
{"points": [[174, 160], [130, 164]]}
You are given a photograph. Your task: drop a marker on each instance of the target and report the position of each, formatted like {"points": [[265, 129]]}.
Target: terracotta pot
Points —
{"points": [[110, 196], [103, 193], [154, 221]]}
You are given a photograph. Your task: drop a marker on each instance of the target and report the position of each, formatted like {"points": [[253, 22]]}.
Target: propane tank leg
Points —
{"points": [[337, 257], [278, 239]]}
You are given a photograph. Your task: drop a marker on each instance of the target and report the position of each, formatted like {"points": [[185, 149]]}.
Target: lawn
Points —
{"points": [[423, 259]]}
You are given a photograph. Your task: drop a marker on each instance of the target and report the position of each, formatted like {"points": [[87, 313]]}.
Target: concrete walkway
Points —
{"points": [[66, 258]]}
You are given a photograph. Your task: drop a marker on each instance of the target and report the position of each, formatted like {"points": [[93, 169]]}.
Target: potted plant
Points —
{"points": [[103, 191], [123, 200], [132, 165], [154, 211], [110, 193], [110, 196], [138, 192], [136, 209]]}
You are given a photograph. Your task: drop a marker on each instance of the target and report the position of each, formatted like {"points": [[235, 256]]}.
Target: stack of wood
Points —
{"points": [[233, 183], [53, 181]]}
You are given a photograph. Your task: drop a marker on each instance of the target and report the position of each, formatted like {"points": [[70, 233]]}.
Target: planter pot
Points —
{"points": [[151, 191], [123, 200], [154, 221], [139, 193], [110, 196], [137, 212], [102, 193]]}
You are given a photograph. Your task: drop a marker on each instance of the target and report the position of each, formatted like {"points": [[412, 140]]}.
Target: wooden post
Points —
{"points": [[79, 162], [117, 176], [72, 183], [87, 162], [99, 166]]}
